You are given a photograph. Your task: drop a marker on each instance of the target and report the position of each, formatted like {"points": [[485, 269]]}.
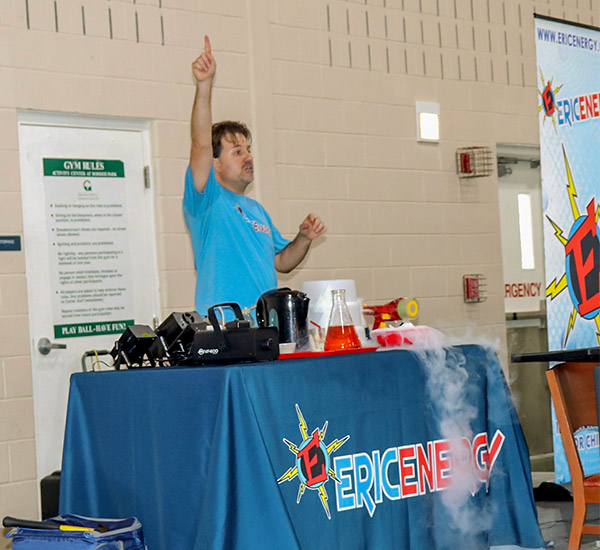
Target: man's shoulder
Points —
{"points": [[210, 188]]}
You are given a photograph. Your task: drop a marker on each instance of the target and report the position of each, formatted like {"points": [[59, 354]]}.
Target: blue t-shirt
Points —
{"points": [[234, 243]]}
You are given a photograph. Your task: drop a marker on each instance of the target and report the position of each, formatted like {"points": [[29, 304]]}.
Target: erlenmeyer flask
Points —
{"points": [[341, 333]]}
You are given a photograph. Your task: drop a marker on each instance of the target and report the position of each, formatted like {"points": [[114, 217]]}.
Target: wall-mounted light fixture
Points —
{"points": [[428, 121]]}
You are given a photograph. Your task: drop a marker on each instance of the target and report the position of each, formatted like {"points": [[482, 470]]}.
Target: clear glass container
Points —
{"points": [[341, 333]]}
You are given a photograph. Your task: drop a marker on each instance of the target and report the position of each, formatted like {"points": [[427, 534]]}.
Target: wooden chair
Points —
{"points": [[573, 395]]}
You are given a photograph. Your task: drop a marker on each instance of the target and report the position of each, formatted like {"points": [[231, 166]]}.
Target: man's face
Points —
{"points": [[234, 168]]}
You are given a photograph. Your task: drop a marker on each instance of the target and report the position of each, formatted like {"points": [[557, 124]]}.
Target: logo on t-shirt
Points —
{"points": [[258, 227]]}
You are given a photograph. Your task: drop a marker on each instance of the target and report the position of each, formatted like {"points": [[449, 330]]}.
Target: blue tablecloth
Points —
{"points": [[353, 451]]}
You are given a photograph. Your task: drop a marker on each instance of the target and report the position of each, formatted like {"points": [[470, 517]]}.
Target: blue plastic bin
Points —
{"points": [[122, 534]]}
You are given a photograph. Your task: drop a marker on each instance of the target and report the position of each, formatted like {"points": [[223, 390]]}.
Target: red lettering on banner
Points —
{"points": [[310, 460], [407, 471], [442, 464], [548, 100], [494, 449], [585, 268], [480, 456], [462, 463], [425, 467]]}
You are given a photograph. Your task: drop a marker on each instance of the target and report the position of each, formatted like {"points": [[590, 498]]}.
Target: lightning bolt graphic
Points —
{"points": [[302, 425], [571, 187], [555, 289], [570, 326], [540, 107], [558, 232], [291, 446], [336, 444], [333, 476], [323, 430], [554, 92], [597, 321], [301, 490], [289, 475], [323, 496]]}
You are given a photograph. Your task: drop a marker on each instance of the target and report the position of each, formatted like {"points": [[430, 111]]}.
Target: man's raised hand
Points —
{"points": [[205, 66]]}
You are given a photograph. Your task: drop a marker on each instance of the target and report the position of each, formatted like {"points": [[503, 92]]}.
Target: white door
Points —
{"points": [[89, 249], [521, 220]]}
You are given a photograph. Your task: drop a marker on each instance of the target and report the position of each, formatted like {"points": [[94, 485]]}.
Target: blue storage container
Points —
{"points": [[122, 534]]}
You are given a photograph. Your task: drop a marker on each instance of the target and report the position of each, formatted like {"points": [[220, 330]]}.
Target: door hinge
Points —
{"points": [[147, 177]]}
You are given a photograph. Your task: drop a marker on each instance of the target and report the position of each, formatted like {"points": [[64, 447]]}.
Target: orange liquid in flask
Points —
{"points": [[341, 337]]}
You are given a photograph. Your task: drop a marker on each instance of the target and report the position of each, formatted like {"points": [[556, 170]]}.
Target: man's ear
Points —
{"points": [[217, 165]]}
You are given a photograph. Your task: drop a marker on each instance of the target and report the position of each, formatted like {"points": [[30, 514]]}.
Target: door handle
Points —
{"points": [[45, 346]]}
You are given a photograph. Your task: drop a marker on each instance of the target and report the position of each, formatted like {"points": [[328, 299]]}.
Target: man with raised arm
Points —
{"points": [[237, 249]]}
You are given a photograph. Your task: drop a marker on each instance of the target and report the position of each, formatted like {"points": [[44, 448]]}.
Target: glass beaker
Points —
{"points": [[341, 333]]}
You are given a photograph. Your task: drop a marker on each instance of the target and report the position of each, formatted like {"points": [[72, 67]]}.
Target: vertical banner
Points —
{"points": [[568, 67]]}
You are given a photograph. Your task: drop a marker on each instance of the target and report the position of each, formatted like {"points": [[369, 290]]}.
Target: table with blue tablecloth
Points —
{"points": [[379, 450]]}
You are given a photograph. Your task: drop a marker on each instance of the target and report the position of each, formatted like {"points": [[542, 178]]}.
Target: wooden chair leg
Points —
{"points": [[579, 511]]}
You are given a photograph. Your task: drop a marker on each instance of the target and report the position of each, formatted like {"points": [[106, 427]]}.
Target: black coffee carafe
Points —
{"points": [[287, 310]]}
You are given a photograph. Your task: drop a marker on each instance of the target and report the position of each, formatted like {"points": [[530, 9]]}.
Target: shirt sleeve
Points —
{"points": [[194, 202]]}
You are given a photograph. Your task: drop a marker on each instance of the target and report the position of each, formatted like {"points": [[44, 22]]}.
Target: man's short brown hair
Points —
{"points": [[228, 129]]}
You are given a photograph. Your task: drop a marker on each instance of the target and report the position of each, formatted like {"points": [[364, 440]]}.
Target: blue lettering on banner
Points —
{"points": [[573, 110], [587, 438], [10, 243], [568, 39], [345, 496]]}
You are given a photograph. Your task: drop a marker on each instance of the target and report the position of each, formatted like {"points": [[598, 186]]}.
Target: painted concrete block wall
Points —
{"points": [[400, 221], [328, 87]]}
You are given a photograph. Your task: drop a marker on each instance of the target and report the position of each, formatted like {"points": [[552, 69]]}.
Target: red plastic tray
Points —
{"points": [[308, 354]]}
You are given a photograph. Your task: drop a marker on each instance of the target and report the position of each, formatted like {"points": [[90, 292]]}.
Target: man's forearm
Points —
{"points": [[202, 116], [201, 123], [291, 256]]}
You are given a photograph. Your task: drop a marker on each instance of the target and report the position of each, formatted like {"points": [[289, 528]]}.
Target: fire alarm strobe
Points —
{"points": [[474, 162], [474, 288]]}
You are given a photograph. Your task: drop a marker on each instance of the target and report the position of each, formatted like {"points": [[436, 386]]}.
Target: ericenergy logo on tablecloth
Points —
{"points": [[313, 462], [365, 479]]}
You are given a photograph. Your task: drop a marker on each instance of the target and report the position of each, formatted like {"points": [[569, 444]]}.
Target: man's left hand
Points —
{"points": [[312, 227]]}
